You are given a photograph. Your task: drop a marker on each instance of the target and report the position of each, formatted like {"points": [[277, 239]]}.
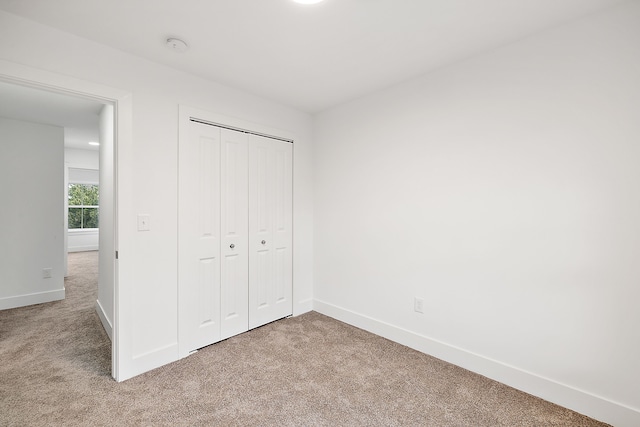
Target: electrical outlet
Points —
{"points": [[46, 273], [418, 305]]}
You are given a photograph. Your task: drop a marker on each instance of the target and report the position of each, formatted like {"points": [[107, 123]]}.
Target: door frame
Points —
{"points": [[122, 101]]}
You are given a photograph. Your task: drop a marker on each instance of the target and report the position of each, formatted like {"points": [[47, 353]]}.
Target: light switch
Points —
{"points": [[144, 221]]}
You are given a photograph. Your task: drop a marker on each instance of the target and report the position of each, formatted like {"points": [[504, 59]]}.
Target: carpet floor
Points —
{"points": [[309, 370]]}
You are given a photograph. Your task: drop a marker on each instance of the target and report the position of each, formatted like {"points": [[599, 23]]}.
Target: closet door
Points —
{"points": [[235, 218], [199, 238], [270, 230]]}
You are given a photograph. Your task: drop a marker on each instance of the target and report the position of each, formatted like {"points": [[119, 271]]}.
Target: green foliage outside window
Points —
{"points": [[83, 206]]}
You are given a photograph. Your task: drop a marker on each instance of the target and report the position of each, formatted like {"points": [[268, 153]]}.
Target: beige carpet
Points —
{"points": [[305, 371]]}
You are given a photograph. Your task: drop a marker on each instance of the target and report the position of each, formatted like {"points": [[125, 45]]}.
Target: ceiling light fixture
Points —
{"points": [[307, 1], [94, 143], [177, 45]]}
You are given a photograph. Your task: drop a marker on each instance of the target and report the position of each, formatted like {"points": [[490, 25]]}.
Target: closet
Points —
{"points": [[234, 233]]}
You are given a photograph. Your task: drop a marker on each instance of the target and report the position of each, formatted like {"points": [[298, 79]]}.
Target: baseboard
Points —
{"points": [[83, 248], [31, 299], [302, 307], [145, 362], [561, 394], [106, 324]]}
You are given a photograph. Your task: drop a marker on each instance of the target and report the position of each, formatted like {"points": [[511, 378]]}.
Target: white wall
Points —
{"points": [[32, 194], [83, 240], [147, 267], [505, 191], [106, 271], [82, 159]]}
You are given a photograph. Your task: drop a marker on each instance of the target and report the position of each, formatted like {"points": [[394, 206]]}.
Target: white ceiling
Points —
{"points": [[79, 117], [309, 57]]}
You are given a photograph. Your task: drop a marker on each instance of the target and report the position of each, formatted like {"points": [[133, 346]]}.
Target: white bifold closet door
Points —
{"points": [[270, 231], [235, 229]]}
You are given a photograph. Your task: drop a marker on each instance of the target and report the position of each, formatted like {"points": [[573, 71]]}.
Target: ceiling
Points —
{"points": [[79, 117], [310, 57]]}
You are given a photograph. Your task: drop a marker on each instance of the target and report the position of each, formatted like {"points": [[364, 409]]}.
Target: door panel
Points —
{"points": [[199, 238], [207, 296], [281, 277], [234, 230], [270, 230]]}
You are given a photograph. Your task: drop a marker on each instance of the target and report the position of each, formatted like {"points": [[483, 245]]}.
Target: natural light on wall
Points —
{"points": [[307, 1]]}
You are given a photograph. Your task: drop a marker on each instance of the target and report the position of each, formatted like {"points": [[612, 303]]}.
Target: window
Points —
{"points": [[83, 206]]}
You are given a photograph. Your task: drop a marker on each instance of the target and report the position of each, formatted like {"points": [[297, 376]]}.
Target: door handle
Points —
{"points": [[264, 242], [232, 246]]}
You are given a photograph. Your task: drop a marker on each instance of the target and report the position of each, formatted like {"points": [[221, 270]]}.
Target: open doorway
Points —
{"points": [[59, 155]]}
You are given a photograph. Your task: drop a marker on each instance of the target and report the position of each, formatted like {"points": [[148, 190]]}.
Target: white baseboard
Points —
{"points": [[104, 319], [83, 248], [561, 394], [141, 363], [31, 299]]}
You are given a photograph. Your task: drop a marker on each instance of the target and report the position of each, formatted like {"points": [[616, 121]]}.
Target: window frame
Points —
{"points": [[82, 230]]}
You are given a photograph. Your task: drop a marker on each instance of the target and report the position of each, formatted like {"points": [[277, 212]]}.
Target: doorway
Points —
{"points": [[43, 104]]}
